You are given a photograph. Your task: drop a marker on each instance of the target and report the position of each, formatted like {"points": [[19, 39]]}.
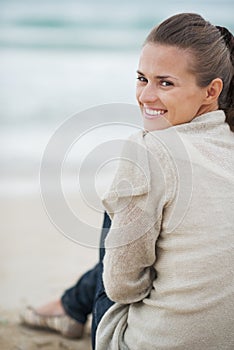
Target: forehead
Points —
{"points": [[164, 59]]}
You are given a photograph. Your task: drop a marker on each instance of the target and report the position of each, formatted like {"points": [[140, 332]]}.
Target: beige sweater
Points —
{"points": [[169, 262]]}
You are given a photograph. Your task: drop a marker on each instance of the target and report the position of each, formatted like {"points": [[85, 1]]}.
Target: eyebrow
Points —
{"points": [[158, 76]]}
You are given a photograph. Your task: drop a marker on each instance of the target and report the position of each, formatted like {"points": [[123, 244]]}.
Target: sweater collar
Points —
{"points": [[204, 121]]}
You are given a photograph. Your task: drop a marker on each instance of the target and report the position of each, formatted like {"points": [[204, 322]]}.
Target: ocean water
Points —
{"points": [[60, 57]]}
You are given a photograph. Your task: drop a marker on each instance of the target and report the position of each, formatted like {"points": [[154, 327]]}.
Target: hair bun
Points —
{"points": [[227, 37]]}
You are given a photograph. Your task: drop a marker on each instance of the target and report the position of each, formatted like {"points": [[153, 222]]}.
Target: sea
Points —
{"points": [[61, 58]]}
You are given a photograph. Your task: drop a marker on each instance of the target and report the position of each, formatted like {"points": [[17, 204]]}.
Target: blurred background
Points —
{"points": [[57, 58]]}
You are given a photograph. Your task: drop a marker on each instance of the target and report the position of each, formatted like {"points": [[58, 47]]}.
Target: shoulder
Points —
{"points": [[156, 145], [146, 166]]}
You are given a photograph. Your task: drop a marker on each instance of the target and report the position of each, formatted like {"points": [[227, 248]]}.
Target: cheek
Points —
{"points": [[181, 102], [138, 93]]}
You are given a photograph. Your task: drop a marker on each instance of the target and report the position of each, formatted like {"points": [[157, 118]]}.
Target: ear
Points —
{"points": [[213, 90]]}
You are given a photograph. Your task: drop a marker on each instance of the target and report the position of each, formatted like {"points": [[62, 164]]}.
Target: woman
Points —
{"points": [[172, 278]]}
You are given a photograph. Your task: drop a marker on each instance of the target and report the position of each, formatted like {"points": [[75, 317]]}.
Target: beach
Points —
{"points": [[37, 264], [59, 60]]}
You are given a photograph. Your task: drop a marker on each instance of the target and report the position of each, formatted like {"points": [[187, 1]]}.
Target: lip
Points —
{"points": [[153, 113]]}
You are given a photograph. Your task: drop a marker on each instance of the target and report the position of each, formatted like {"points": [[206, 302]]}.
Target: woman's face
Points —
{"points": [[166, 90]]}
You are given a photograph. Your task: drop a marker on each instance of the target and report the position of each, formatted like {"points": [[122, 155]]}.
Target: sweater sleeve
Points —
{"points": [[136, 211]]}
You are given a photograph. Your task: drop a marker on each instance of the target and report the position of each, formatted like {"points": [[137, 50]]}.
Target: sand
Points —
{"points": [[14, 336], [37, 264]]}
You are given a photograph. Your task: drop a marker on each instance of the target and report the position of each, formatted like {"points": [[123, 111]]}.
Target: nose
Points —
{"points": [[148, 94]]}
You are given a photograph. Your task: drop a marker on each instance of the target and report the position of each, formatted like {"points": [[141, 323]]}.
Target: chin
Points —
{"points": [[156, 124]]}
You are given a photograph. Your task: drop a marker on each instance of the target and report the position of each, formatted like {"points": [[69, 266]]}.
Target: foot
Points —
{"points": [[52, 317], [54, 308]]}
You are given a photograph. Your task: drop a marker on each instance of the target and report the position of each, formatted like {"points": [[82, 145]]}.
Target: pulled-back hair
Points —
{"points": [[212, 50]]}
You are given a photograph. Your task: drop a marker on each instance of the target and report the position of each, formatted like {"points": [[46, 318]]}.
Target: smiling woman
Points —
{"points": [[168, 264], [172, 284], [168, 93], [200, 55]]}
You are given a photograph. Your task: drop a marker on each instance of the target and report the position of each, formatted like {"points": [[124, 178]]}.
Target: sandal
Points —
{"points": [[62, 324]]}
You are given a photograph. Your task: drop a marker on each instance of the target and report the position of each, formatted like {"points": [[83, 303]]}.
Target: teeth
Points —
{"points": [[154, 112]]}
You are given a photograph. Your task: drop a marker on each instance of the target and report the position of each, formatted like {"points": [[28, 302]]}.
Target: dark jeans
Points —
{"points": [[88, 295]]}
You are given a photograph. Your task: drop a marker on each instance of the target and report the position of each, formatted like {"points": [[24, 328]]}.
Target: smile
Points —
{"points": [[152, 113]]}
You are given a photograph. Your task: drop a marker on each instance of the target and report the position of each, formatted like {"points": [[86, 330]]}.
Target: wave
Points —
{"points": [[77, 39], [91, 25]]}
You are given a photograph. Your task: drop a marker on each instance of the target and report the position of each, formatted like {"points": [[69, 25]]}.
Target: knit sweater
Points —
{"points": [[170, 250]]}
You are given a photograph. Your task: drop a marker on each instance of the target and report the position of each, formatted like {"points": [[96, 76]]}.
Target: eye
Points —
{"points": [[166, 83], [142, 79]]}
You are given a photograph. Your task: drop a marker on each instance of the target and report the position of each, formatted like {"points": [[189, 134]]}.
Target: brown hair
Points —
{"points": [[212, 48]]}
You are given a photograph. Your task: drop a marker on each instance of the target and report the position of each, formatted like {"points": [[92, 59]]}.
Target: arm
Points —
{"points": [[136, 222], [128, 269]]}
